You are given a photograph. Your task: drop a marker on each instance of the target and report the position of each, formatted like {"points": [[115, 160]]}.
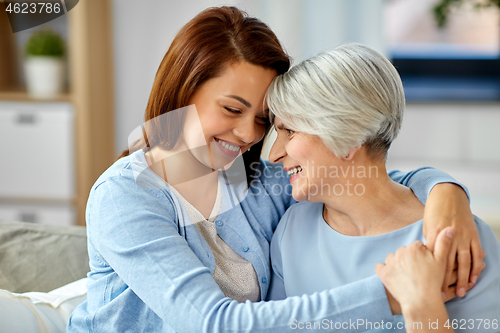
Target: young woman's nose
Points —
{"points": [[245, 131], [278, 151]]}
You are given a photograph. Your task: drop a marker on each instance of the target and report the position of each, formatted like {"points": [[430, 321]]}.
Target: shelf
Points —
{"points": [[22, 96], [88, 31], [36, 201]]}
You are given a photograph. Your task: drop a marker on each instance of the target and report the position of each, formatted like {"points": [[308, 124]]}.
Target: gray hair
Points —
{"points": [[348, 97]]}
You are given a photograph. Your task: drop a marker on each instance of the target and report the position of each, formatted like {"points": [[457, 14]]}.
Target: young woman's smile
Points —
{"points": [[229, 148]]}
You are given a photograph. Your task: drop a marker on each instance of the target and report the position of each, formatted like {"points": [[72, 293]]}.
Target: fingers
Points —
{"points": [[478, 255], [464, 266], [449, 293], [417, 244], [454, 278], [443, 245], [449, 268], [451, 259], [379, 268], [389, 257], [430, 239]]}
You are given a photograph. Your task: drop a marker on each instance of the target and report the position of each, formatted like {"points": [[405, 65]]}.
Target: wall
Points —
{"points": [[461, 139]]}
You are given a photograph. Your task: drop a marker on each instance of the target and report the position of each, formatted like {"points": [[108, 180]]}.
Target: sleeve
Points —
{"points": [[135, 231], [422, 180], [277, 285]]}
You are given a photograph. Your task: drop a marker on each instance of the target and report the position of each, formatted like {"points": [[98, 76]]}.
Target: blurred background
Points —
{"points": [[53, 148]]}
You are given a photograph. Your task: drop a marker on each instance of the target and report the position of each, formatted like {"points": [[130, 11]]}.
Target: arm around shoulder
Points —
{"points": [[136, 233]]}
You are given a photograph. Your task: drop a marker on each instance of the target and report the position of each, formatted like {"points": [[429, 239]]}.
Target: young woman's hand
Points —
{"points": [[414, 276], [448, 205]]}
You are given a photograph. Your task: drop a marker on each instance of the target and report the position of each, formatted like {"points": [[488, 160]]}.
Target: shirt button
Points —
{"points": [[219, 223], [245, 249], [264, 280]]}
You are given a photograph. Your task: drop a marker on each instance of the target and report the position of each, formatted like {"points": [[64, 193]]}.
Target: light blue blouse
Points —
{"points": [[308, 256], [151, 270]]}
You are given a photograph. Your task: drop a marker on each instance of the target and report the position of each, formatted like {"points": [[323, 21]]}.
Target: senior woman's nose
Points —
{"points": [[278, 151]]}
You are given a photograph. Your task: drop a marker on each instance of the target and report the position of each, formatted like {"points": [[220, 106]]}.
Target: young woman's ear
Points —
{"points": [[351, 154]]}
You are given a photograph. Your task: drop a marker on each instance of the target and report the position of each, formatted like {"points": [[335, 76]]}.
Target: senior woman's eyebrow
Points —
{"points": [[241, 100]]}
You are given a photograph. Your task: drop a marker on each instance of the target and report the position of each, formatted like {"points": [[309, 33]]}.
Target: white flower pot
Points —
{"points": [[44, 76]]}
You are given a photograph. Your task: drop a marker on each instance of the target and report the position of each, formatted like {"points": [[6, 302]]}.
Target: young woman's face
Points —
{"points": [[306, 158], [230, 109]]}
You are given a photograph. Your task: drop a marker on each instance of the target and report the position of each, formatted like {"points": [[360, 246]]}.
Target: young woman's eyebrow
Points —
{"points": [[241, 100]]}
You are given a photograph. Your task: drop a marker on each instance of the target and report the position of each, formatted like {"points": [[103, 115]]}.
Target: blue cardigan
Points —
{"points": [[152, 272]]}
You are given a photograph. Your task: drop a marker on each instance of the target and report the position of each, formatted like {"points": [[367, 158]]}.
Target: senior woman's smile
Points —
{"points": [[308, 161]]}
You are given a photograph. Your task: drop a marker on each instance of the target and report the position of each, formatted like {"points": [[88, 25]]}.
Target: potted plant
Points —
{"points": [[443, 8], [44, 64]]}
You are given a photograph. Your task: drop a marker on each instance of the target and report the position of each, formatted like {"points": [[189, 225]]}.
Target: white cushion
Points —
{"points": [[40, 312]]}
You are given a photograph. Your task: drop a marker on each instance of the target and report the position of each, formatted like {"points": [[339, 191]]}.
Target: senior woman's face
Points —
{"points": [[307, 159]]}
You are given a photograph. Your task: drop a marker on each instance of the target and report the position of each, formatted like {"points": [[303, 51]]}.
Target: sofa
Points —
{"points": [[43, 271]]}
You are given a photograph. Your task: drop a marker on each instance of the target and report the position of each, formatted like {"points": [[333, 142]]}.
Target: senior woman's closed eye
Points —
{"points": [[288, 131]]}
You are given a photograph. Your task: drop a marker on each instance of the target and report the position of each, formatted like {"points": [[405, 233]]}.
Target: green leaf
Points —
{"points": [[45, 43]]}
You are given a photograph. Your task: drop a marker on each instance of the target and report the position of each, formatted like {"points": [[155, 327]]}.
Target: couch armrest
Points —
{"points": [[37, 257]]}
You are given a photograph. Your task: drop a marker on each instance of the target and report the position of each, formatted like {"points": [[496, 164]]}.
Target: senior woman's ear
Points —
{"points": [[351, 154]]}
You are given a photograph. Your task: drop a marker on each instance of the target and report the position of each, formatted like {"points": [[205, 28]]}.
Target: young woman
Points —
{"points": [[153, 268], [336, 115]]}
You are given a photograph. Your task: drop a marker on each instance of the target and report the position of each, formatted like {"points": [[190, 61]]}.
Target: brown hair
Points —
{"points": [[213, 39]]}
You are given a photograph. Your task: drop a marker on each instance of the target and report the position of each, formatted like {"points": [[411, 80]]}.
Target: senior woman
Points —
{"points": [[336, 116]]}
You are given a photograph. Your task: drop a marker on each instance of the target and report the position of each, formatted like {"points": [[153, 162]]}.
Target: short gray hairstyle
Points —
{"points": [[348, 97]]}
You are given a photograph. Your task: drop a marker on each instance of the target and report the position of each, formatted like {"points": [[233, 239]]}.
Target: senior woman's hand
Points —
{"points": [[448, 205]]}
